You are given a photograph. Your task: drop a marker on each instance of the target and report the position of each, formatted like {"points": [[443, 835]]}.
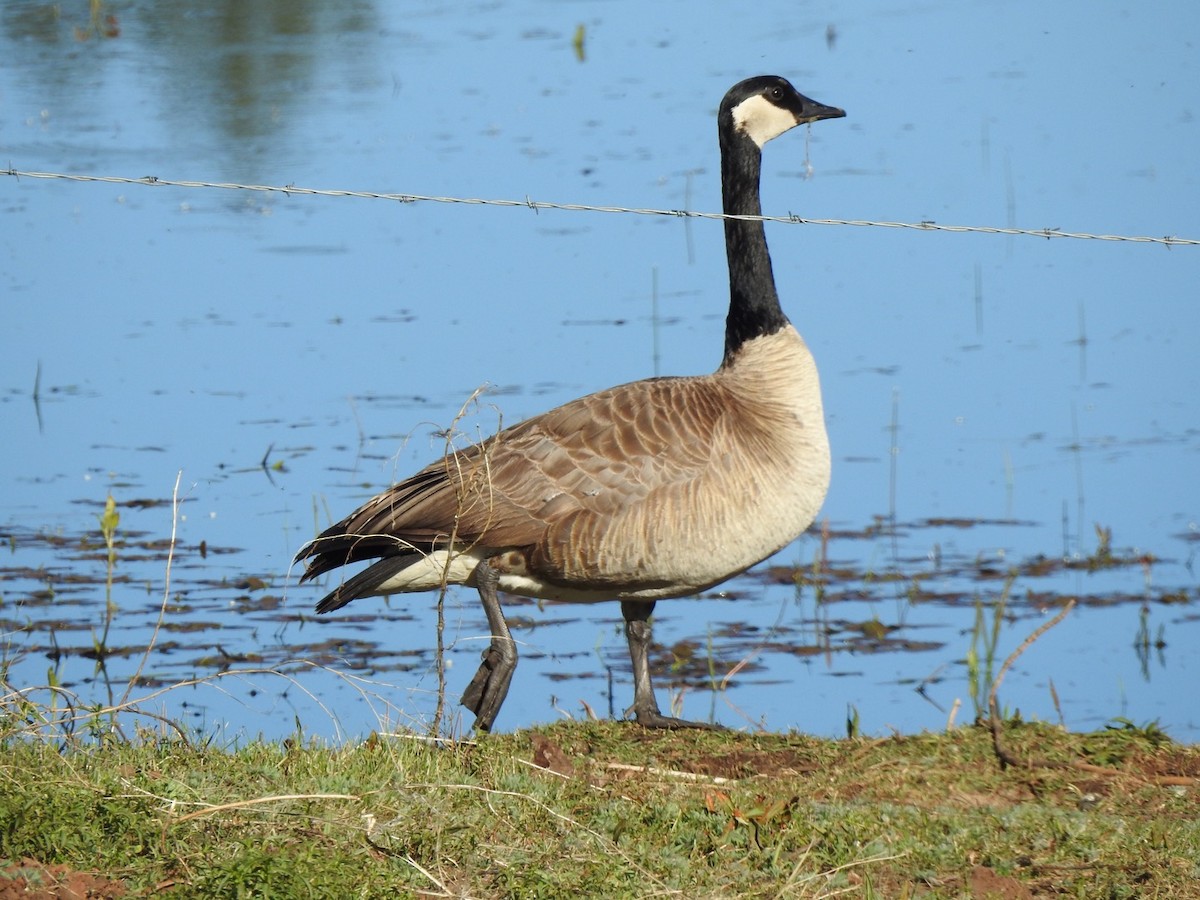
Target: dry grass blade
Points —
{"points": [[162, 609], [257, 801], [668, 773]]}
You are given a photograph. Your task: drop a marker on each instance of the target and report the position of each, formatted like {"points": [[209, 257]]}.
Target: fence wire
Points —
{"points": [[291, 190]]}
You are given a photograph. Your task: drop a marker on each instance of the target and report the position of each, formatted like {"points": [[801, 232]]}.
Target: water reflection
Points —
{"points": [[232, 81]]}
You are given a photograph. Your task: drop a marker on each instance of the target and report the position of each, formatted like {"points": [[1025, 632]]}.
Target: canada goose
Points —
{"points": [[654, 489]]}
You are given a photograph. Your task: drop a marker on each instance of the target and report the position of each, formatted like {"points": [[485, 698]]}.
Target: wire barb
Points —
{"points": [[538, 205]]}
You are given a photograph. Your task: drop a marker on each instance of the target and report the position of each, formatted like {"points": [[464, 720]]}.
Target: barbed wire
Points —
{"points": [[295, 190]]}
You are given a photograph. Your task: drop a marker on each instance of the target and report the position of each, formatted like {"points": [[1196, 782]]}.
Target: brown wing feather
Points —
{"points": [[546, 484]]}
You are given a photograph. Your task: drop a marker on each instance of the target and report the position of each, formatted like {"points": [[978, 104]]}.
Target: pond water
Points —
{"points": [[996, 404]]}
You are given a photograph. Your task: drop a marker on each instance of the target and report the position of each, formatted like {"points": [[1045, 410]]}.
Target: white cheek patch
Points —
{"points": [[761, 120]]}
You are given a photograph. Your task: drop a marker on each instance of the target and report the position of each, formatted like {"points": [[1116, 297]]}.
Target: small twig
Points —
{"points": [[445, 892], [954, 707], [1006, 758], [451, 542], [436, 740], [545, 769], [672, 773]]}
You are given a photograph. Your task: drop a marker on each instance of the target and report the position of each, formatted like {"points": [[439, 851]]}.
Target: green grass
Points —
{"points": [[609, 809]]}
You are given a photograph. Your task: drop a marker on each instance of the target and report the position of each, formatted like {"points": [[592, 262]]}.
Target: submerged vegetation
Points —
{"points": [[95, 598]]}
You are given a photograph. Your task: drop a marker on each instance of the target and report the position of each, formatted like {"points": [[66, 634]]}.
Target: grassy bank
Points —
{"points": [[608, 809]]}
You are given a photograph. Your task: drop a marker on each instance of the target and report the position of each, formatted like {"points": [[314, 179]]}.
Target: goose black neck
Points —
{"points": [[754, 308]]}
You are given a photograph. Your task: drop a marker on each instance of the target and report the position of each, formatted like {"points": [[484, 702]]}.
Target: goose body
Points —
{"points": [[649, 490]]}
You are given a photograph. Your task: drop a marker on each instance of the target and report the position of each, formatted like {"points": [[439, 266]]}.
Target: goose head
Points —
{"points": [[764, 107]]}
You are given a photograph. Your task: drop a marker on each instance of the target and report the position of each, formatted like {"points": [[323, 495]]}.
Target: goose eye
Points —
{"points": [[777, 93]]}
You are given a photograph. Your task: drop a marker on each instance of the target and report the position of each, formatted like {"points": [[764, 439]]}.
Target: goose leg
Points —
{"points": [[645, 706], [487, 690]]}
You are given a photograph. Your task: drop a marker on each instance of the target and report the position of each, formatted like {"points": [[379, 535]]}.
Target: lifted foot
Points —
{"points": [[487, 690], [485, 694]]}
